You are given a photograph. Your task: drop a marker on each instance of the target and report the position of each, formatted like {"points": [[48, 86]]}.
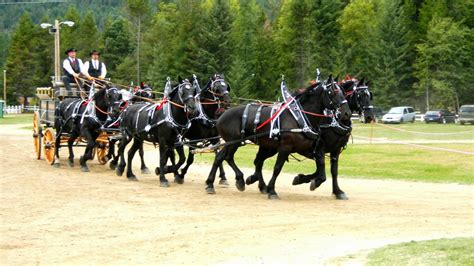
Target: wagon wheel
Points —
{"points": [[102, 148], [48, 145], [37, 134]]}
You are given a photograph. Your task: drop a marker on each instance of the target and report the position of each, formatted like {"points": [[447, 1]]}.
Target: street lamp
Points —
{"points": [[54, 29]]}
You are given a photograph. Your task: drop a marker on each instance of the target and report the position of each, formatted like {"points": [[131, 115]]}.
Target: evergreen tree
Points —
{"points": [[69, 35], [117, 46], [444, 64], [25, 65], [394, 53], [358, 35], [219, 36], [87, 37]]}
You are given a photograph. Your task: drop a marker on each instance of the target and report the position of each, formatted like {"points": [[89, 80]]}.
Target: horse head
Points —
{"points": [[185, 92], [220, 89]]}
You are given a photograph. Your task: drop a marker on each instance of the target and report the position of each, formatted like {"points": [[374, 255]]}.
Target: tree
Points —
{"points": [[28, 58], [394, 53], [358, 35], [219, 26], [138, 11], [117, 46], [444, 64], [69, 35], [87, 36]]}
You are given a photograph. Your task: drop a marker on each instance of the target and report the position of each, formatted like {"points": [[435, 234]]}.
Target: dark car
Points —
{"points": [[466, 114], [439, 116]]}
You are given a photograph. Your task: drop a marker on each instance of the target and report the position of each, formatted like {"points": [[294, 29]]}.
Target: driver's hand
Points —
{"points": [[75, 75]]}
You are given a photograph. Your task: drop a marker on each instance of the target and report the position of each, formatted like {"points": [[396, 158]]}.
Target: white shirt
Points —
{"points": [[95, 65], [67, 66]]}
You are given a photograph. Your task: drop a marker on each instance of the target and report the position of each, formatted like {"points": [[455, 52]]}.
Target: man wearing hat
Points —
{"points": [[72, 68], [95, 68]]}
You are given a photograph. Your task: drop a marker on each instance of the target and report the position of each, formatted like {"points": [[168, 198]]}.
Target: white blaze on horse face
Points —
{"points": [[222, 83], [187, 87]]}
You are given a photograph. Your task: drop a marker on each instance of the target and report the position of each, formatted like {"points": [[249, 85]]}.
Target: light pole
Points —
{"points": [[5, 85], [54, 29]]}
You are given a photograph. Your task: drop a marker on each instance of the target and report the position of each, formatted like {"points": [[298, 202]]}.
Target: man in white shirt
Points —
{"points": [[72, 68], [95, 68]]}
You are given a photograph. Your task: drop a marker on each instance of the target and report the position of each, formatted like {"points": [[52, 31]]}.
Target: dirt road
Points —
{"points": [[50, 215]]}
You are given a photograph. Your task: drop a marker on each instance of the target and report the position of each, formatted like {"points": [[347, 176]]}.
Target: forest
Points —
{"points": [[413, 52]]}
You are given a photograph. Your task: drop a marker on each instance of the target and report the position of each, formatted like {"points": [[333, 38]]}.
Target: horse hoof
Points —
{"points": [[112, 165], [273, 197], [251, 179], [71, 164], [178, 180], [107, 158], [157, 171], [299, 179], [223, 182], [56, 165], [341, 196], [132, 178], [84, 169], [119, 171], [164, 184], [263, 190], [240, 185], [145, 171], [210, 190]]}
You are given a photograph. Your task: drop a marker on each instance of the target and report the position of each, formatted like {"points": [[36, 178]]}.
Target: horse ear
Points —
{"points": [[330, 78], [180, 79], [361, 82], [337, 78], [222, 75]]}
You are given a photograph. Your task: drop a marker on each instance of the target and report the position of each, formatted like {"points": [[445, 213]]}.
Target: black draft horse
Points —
{"points": [[335, 133], [86, 119], [139, 94], [314, 99], [160, 123], [211, 102]]}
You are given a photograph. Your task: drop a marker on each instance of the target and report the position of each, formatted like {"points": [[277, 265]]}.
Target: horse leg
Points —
{"points": [[111, 152], [340, 195], [115, 157], [164, 154], [262, 155], [131, 153], [212, 174], [320, 175], [302, 178], [57, 141], [70, 142], [223, 179], [179, 178], [90, 137], [239, 176], [121, 153], [281, 159], [181, 160], [143, 167]]}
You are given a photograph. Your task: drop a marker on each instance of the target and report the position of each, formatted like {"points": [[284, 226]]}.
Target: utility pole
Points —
{"points": [[56, 51], [5, 85]]}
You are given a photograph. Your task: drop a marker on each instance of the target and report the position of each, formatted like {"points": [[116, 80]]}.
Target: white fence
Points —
{"points": [[18, 109]]}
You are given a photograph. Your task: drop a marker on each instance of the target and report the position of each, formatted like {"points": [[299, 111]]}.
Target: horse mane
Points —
{"points": [[306, 90]]}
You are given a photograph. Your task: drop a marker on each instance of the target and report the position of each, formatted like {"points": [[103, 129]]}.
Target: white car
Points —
{"points": [[399, 115]]}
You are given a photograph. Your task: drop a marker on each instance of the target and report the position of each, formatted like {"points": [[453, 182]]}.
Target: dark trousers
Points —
{"points": [[67, 80]]}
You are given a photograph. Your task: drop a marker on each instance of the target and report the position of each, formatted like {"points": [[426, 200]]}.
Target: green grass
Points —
{"points": [[17, 119], [415, 131], [380, 161], [458, 251]]}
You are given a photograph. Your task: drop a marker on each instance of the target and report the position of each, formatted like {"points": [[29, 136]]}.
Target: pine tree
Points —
{"points": [[357, 36], [394, 53], [117, 46], [69, 35], [444, 64], [87, 37], [219, 26], [24, 65]]}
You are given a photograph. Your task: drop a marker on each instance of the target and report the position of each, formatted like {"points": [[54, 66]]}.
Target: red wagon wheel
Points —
{"points": [[37, 134], [49, 142]]}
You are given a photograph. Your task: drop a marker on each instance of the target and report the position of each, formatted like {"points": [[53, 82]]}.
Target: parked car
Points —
{"points": [[466, 114], [439, 116], [399, 115]]}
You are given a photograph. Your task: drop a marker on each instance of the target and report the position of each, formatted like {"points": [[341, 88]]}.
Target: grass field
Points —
{"points": [[458, 251], [393, 161]]}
